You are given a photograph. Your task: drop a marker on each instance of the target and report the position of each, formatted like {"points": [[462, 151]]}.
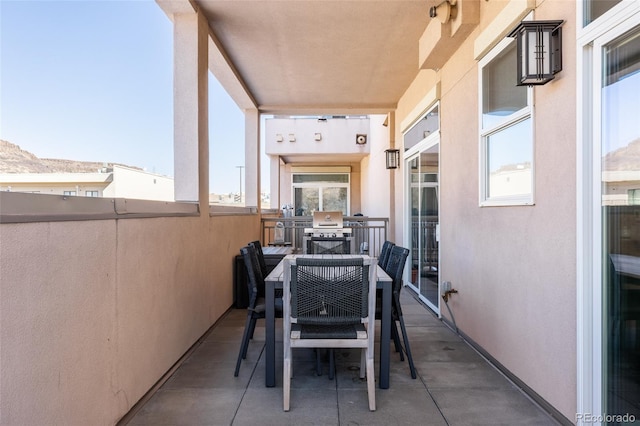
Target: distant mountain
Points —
{"points": [[13, 159], [626, 158]]}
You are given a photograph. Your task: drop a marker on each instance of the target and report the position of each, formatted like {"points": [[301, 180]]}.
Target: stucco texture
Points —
{"points": [[93, 313], [514, 267]]}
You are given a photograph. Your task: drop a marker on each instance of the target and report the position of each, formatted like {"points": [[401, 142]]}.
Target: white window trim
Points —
{"points": [[426, 111], [428, 142], [522, 114], [321, 185]]}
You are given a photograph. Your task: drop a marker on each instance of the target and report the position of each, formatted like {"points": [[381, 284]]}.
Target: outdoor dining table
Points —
{"points": [[274, 281]]}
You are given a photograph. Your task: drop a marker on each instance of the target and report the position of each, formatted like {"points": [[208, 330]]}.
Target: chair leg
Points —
{"points": [[363, 363], [286, 382], [396, 340], [252, 328], [332, 364], [242, 354], [371, 383], [318, 362], [407, 348]]}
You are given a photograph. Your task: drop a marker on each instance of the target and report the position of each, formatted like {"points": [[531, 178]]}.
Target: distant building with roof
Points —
{"points": [[117, 182]]}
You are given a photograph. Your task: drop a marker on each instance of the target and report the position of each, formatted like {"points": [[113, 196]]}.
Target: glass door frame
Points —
{"points": [[410, 155], [590, 340]]}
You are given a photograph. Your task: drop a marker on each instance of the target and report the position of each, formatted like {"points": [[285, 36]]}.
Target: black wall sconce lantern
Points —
{"points": [[539, 51], [393, 158]]}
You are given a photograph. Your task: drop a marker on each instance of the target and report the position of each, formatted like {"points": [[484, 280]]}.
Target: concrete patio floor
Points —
{"points": [[455, 385]]}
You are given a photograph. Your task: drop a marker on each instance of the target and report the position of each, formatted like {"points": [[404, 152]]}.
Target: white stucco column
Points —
{"points": [[252, 157], [275, 181], [190, 116]]}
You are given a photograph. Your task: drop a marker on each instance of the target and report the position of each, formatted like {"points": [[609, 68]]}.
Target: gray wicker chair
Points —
{"points": [[385, 251], [329, 303], [260, 254]]}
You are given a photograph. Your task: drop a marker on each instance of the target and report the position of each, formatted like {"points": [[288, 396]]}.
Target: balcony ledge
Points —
{"points": [[16, 207]]}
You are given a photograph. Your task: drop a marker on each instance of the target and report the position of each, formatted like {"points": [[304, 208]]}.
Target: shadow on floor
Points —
{"points": [[455, 385]]}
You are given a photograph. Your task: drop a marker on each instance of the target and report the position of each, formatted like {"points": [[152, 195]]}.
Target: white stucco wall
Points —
{"points": [[371, 185], [376, 183], [93, 313], [338, 136], [514, 267], [131, 183]]}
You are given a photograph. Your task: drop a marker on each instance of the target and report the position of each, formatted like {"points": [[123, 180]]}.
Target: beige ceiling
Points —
{"points": [[319, 56]]}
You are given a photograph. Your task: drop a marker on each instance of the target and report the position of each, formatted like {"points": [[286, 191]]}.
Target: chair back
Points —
{"points": [[384, 253], [258, 248], [329, 291], [255, 283], [395, 266], [329, 303]]}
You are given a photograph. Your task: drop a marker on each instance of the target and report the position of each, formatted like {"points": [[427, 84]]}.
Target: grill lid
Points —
{"points": [[327, 220]]}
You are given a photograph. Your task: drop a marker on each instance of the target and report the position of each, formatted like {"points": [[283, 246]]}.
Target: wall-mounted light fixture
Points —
{"points": [[318, 137], [361, 139], [393, 158], [279, 138], [444, 11], [292, 137], [539, 51]]}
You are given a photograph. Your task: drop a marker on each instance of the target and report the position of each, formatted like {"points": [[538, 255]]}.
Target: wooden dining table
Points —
{"points": [[275, 280]]}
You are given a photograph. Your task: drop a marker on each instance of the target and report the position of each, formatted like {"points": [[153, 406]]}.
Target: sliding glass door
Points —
{"points": [[422, 170], [620, 231], [423, 211]]}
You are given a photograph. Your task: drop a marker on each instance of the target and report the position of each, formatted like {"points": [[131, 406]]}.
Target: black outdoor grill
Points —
{"points": [[327, 235]]}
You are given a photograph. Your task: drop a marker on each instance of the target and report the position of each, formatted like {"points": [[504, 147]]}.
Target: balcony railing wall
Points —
{"points": [[95, 312]]}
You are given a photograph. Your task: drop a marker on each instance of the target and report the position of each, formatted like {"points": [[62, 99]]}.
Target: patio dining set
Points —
{"points": [[327, 302]]}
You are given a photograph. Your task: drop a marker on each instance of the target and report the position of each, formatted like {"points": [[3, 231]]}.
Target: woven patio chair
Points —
{"points": [[384, 253], [329, 303], [260, 254]]}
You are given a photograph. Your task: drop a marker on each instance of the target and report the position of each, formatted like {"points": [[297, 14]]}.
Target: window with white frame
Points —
{"points": [[506, 131], [320, 192], [593, 9], [91, 194]]}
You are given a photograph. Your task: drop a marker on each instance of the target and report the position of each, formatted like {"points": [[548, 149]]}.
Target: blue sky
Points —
{"points": [[620, 107], [93, 81]]}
